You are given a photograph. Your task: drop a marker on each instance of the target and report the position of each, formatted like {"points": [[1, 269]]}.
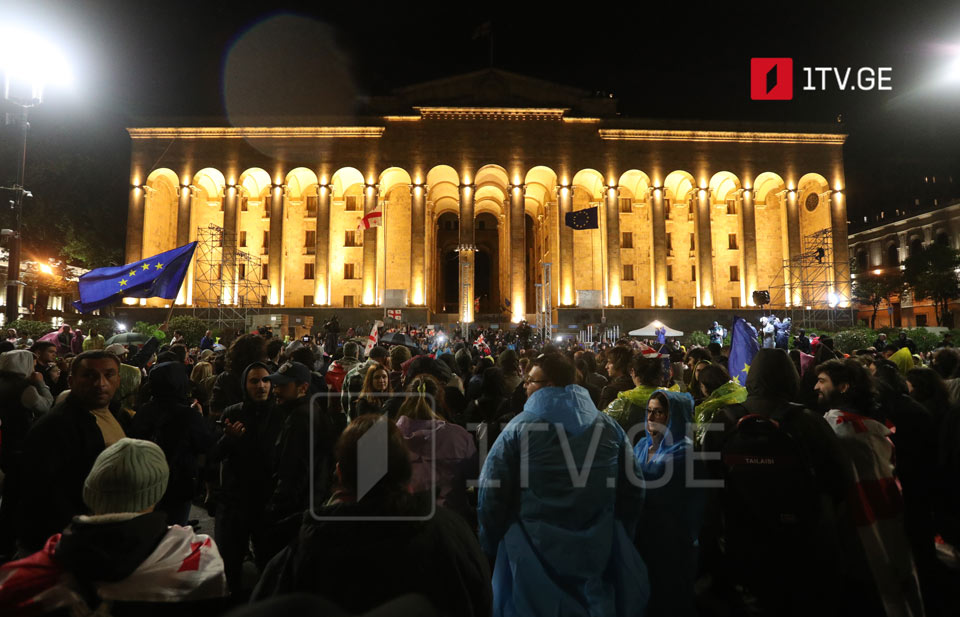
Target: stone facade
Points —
{"points": [[691, 215]]}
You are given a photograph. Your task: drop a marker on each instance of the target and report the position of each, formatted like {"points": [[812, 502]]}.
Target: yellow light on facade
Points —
{"points": [[46, 269], [418, 294], [878, 271]]}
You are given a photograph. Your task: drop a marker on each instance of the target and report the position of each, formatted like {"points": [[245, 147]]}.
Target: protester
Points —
{"points": [[64, 341], [630, 406], [173, 420], [672, 509], [719, 392], [618, 369], [375, 395], [560, 549], [122, 558], [246, 452], [340, 367], [847, 391], [60, 448], [207, 341], [354, 380], [227, 389], [339, 555], [443, 454], [904, 341]]}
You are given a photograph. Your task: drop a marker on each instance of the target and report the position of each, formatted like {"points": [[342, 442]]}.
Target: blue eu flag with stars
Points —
{"points": [[159, 276], [743, 347], [588, 218]]}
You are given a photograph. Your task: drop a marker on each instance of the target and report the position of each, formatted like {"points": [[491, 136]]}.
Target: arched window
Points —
{"points": [[893, 255], [916, 246]]}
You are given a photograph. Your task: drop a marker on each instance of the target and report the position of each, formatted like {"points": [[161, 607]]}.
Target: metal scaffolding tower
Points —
{"points": [[805, 289], [227, 284]]}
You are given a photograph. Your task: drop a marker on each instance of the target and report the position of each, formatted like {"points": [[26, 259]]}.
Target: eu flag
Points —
{"points": [[159, 276], [588, 218], [743, 347]]}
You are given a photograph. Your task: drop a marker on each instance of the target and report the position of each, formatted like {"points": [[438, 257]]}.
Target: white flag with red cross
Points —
{"points": [[394, 314], [373, 218], [373, 338]]}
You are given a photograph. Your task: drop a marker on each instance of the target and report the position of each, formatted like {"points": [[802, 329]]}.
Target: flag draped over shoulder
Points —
{"points": [[743, 347], [159, 276]]}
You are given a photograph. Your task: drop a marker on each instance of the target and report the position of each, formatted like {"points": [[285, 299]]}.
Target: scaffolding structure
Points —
{"points": [[806, 287], [227, 284]]}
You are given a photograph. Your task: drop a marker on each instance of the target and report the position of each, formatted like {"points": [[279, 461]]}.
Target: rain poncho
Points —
{"points": [[672, 513], [729, 393], [903, 359], [630, 406], [562, 532]]}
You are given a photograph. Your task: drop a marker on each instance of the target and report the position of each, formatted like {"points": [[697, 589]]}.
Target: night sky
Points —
{"points": [[139, 62]]}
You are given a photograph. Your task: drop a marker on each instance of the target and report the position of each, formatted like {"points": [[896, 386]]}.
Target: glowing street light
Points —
{"points": [[121, 327], [29, 63]]}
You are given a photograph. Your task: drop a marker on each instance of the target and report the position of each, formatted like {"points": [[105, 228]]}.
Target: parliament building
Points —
{"points": [[474, 176]]}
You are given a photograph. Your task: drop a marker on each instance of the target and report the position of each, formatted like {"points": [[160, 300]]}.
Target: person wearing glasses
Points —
{"points": [[672, 510], [560, 496]]}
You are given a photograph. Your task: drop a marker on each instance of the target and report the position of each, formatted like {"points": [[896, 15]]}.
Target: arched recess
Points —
{"points": [[447, 275], [735, 255], [813, 201], [346, 263], [544, 246], [207, 209], [488, 240], [160, 216], [443, 196], [587, 187], [636, 239], [394, 237], [892, 253], [768, 198]]}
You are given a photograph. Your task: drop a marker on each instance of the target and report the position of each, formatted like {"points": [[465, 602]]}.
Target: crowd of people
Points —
{"points": [[497, 475]]}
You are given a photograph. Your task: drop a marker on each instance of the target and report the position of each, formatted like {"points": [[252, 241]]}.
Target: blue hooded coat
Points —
{"points": [[562, 532], [672, 513]]}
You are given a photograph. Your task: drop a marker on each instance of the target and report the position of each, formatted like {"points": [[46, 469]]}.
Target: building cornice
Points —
{"points": [[258, 132], [492, 113], [909, 222], [835, 139]]}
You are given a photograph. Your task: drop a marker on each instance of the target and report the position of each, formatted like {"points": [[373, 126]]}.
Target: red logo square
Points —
{"points": [[771, 79]]}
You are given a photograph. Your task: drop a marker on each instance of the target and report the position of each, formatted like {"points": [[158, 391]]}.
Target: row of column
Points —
{"points": [[516, 232]]}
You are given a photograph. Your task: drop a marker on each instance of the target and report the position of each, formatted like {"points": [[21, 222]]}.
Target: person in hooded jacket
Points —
{"points": [[562, 546], [24, 396], [672, 510], [419, 547], [246, 452], [122, 559], [227, 388], [175, 423], [629, 407]]}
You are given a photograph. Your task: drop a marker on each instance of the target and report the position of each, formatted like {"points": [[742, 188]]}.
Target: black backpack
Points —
{"points": [[770, 500]]}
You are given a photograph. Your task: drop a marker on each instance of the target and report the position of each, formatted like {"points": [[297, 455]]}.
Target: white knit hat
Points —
{"points": [[129, 476]]}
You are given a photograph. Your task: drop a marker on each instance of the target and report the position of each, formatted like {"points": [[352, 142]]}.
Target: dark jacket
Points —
{"points": [[168, 420], [247, 461], [616, 386], [58, 453], [438, 557], [227, 390]]}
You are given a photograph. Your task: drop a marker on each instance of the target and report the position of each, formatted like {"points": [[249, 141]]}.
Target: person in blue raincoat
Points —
{"points": [[558, 524], [673, 510]]}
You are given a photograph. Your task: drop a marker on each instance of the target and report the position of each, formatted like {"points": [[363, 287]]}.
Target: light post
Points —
{"points": [[28, 63]]}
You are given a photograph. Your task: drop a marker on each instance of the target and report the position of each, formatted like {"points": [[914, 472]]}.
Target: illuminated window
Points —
{"points": [[669, 272], [310, 242], [242, 271], [266, 239], [693, 273], [628, 302], [731, 206], [732, 241], [349, 271], [312, 201], [626, 241], [735, 302], [693, 241], [308, 300], [352, 237], [669, 242], [243, 238], [308, 271], [264, 271], [267, 203], [734, 273], [348, 302], [243, 204], [669, 301], [628, 272], [351, 203], [626, 204]]}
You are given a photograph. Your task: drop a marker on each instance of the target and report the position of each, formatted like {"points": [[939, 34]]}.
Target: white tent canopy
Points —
{"points": [[651, 330]]}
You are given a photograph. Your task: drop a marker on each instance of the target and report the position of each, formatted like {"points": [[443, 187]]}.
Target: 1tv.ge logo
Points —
{"points": [[771, 79]]}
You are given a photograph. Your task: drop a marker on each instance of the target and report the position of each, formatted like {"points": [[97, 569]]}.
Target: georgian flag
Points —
{"points": [[394, 314], [374, 336], [373, 219]]}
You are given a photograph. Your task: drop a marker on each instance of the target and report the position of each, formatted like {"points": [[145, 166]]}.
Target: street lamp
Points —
{"points": [[29, 63]]}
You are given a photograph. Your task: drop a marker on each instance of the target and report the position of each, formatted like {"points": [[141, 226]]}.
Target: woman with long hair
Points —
{"points": [[443, 453], [199, 376], [375, 394]]}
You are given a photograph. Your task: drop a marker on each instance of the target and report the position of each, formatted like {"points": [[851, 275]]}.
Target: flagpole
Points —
{"points": [[603, 303]]}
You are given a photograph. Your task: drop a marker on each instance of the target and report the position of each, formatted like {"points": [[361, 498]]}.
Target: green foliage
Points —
{"points": [[698, 337], [31, 329], [84, 250], [848, 341], [925, 340], [149, 329], [192, 328], [105, 326], [874, 289], [931, 275]]}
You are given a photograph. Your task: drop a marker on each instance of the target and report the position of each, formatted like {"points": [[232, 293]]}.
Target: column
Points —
{"points": [[418, 196], [841, 249], [904, 246], [658, 249], [466, 250], [748, 246], [321, 257], [614, 269], [135, 224], [794, 247], [518, 246], [704, 231], [230, 220], [184, 209], [370, 249], [565, 261], [275, 250]]}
